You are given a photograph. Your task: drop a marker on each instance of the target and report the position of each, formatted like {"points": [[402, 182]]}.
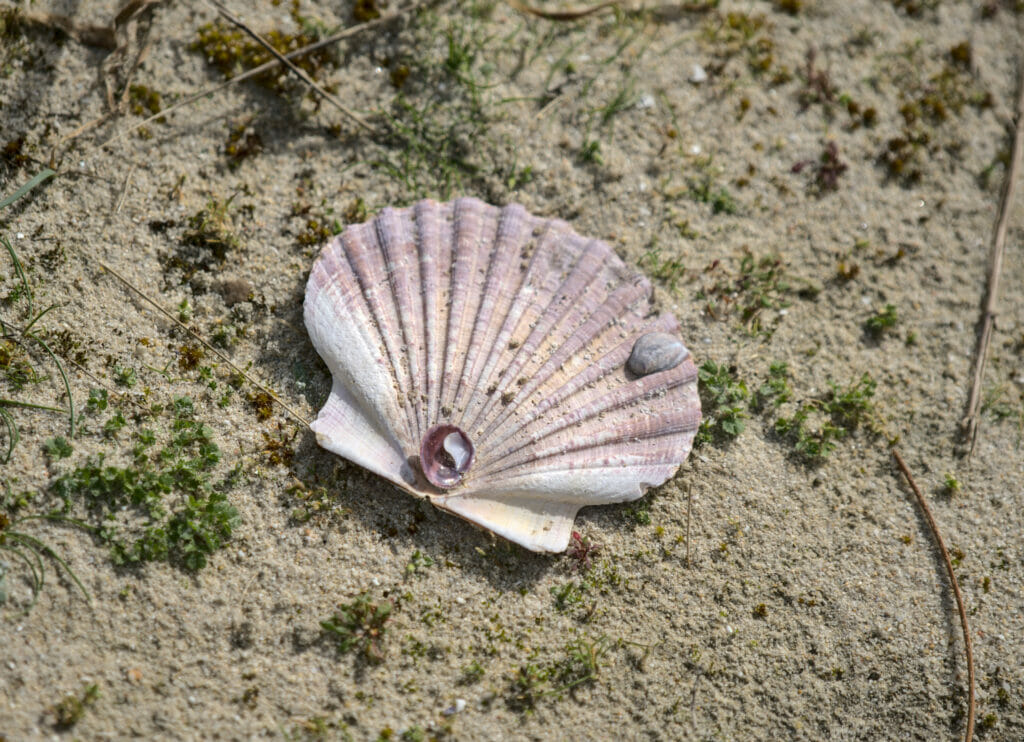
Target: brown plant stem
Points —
{"points": [[969, 424], [969, 732], [201, 339], [332, 39], [298, 71]]}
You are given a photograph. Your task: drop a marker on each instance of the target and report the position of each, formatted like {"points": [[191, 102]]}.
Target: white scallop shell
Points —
{"points": [[495, 344]]}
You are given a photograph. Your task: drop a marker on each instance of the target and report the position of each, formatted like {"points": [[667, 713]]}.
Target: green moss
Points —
{"points": [[163, 505], [815, 425], [879, 324], [70, 709], [232, 51]]}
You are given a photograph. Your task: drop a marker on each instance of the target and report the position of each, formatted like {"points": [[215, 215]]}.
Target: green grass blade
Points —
{"points": [[19, 271], [43, 176], [64, 376], [35, 567], [40, 547], [12, 433], [28, 405], [37, 318]]}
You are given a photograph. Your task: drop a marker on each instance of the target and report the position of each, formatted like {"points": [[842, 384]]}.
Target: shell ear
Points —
{"points": [[343, 428], [538, 525]]}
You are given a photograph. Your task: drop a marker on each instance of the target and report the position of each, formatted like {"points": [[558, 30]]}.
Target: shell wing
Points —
{"points": [[517, 331]]}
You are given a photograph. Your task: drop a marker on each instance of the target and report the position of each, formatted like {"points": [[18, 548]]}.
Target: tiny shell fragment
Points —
{"points": [[656, 351]]}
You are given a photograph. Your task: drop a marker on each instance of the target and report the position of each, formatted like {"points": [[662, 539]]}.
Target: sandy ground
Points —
{"points": [[813, 604]]}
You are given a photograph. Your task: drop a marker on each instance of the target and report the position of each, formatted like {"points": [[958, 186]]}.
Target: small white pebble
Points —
{"points": [[455, 708], [81, 163], [698, 75], [20, 236], [695, 149], [460, 600], [376, 582], [646, 101]]}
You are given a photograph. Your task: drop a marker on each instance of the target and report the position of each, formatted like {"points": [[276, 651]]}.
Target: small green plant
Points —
{"points": [[775, 391], [212, 229], [17, 345], [125, 376], [360, 624], [723, 397], [57, 448], [472, 673], [200, 524], [567, 596], [877, 325], [580, 665], [816, 425], [951, 485], [70, 709], [668, 270], [418, 563]]}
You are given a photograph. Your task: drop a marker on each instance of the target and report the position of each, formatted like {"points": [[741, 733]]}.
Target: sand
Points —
{"points": [[808, 602]]}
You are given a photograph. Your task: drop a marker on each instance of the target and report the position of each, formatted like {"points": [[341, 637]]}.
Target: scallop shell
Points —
{"points": [[481, 357]]}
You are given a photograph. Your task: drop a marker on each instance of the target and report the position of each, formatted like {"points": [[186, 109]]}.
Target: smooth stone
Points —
{"points": [[655, 351]]}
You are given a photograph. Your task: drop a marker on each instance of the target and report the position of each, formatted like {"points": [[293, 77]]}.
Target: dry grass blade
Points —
{"points": [[969, 425], [561, 15], [332, 99], [263, 387], [933, 526], [88, 34], [255, 71]]}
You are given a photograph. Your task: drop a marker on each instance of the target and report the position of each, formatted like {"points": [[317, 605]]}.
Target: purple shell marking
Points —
{"points": [[499, 364]]}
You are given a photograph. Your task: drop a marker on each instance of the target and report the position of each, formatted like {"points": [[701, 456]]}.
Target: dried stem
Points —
{"points": [[201, 339], [969, 425], [560, 15], [327, 41], [969, 733], [332, 99]]}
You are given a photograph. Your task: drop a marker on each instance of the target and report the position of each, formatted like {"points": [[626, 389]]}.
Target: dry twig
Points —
{"points": [[201, 339], [332, 99], [561, 15], [327, 41], [969, 733], [969, 424]]}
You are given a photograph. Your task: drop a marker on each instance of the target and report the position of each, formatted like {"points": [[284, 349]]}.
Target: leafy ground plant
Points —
{"points": [[360, 625], [130, 503], [815, 425], [723, 398]]}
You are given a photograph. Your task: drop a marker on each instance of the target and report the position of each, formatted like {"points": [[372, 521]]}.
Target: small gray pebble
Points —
{"points": [[655, 351]]}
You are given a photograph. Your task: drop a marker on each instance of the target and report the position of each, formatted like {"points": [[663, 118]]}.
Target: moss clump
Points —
{"points": [[231, 51], [131, 504]]}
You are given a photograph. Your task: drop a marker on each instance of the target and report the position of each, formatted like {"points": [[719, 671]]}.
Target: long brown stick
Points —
{"points": [[969, 425], [969, 733]]}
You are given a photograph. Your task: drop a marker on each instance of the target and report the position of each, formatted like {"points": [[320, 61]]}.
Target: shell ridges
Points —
{"points": [[479, 357]]}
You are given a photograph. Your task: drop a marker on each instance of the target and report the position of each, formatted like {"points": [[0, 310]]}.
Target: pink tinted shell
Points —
{"points": [[479, 358]]}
